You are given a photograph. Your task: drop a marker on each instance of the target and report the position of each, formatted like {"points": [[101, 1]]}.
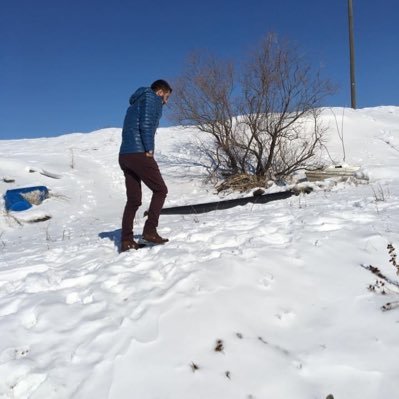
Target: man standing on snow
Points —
{"points": [[136, 159]]}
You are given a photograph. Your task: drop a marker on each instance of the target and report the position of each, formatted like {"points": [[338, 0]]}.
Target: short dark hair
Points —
{"points": [[161, 85]]}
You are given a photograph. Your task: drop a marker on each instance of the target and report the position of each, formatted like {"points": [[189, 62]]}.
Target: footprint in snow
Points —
{"points": [[286, 316], [28, 319], [267, 280], [75, 297]]}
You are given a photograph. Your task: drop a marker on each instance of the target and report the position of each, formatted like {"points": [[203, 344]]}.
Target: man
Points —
{"points": [[136, 159]]}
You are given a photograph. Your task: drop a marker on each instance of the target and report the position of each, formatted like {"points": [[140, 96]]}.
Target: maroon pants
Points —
{"points": [[139, 168]]}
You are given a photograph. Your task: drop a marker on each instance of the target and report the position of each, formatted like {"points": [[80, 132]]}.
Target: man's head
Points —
{"points": [[162, 89]]}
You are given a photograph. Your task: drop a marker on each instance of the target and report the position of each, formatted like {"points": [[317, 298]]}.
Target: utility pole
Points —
{"points": [[352, 55]]}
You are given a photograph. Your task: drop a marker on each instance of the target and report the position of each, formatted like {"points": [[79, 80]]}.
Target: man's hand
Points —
{"points": [[149, 154]]}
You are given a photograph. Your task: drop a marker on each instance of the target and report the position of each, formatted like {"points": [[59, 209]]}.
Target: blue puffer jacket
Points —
{"points": [[141, 121]]}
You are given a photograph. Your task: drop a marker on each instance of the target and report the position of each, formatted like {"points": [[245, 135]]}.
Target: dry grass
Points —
{"points": [[38, 219], [8, 180], [241, 183], [385, 285]]}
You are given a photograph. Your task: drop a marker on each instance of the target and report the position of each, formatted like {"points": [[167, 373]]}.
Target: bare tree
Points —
{"points": [[203, 97], [264, 119]]}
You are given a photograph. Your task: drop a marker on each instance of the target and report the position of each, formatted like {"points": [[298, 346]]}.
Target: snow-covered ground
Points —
{"points": [[279, 285]]}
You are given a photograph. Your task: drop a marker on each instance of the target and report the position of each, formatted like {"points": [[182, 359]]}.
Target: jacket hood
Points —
{"points": [[138, 93]]}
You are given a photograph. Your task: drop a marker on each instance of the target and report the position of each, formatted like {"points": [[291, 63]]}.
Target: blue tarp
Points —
{"points": [[14, 201]]}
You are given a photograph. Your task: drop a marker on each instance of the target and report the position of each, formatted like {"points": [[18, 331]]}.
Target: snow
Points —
{"points": [[280, 284]]}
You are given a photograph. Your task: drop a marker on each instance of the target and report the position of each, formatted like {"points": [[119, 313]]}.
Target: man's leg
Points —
{"points": [[133, 193], [152, 178]]}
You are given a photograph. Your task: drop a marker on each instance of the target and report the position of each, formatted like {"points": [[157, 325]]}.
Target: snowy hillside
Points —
{"points": [[254, 302]]}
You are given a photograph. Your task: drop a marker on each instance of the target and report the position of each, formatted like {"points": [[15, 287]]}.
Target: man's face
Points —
{"points": [[164, 95]]}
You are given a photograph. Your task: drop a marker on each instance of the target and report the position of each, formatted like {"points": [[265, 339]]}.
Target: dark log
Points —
{"points": [[226, 204]]}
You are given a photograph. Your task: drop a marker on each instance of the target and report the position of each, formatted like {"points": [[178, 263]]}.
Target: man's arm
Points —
{"points": [[149, 120]]}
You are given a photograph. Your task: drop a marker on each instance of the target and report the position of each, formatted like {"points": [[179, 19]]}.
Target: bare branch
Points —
{"points": [[264, 120]]}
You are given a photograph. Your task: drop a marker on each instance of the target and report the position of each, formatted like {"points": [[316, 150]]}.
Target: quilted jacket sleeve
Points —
{"points": [[150, 114]]}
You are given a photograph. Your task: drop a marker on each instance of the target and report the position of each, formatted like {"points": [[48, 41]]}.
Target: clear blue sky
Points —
{"points": [[70, 66]]}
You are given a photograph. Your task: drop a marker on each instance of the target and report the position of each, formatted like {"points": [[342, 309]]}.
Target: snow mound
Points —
{"points": [[250, 302]]}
